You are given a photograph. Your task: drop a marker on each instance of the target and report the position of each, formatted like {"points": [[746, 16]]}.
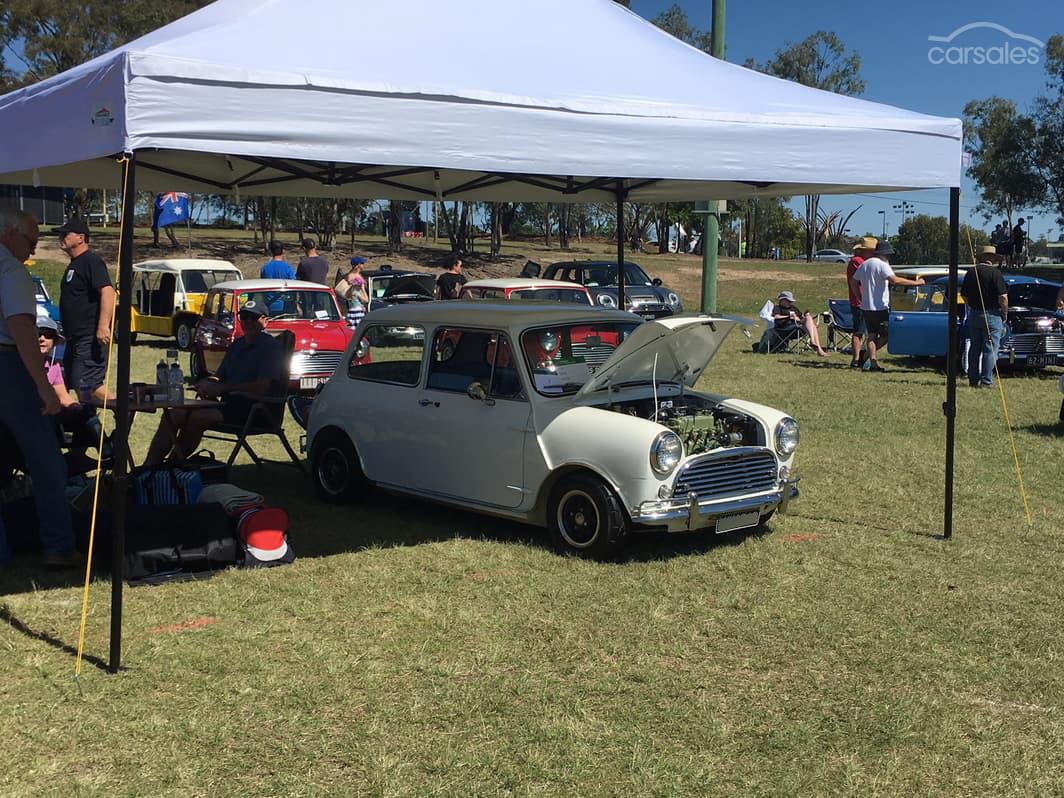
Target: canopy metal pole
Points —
{"points": [[621, 193], [949, 408], [121, 436]]}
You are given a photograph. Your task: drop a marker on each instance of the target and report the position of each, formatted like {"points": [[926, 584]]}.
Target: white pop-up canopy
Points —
{"points": [[471, 99]]}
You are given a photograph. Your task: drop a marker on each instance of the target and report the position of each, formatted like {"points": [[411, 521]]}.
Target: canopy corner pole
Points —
{"points": [[621, 195], [949, 407], [121, 437]]}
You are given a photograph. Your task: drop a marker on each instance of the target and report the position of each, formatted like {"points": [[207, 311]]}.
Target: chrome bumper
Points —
{"points": [[680, 515]]}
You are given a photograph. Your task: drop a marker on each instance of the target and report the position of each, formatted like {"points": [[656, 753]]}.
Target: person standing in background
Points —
{"points": [[277, 268], [86, 309], [862, 249], [449, 284], [28, 400], [987, 298], [312, 267]]}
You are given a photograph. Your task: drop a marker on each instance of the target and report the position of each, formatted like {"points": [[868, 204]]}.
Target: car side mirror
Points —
{"points": [[479, 393], [656, 281]]}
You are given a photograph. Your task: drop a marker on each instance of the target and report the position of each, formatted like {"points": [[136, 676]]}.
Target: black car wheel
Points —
{"points": [[183, 334], [585, 518], [337, 472], [196, 370]]}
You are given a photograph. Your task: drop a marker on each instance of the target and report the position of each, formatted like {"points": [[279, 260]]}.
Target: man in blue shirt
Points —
{"points": [[277, 268]]}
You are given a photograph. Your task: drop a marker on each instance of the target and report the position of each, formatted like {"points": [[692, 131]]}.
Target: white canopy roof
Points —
{"points": [[469, 99]]}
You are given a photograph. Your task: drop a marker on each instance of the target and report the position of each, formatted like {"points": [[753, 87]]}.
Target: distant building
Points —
{"points": [[44, 203]]}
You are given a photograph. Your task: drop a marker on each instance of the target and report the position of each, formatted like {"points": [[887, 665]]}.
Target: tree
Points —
{"points": [[999, 140], [924, 240], [822, 62], [43, 37], [1048, 148], [674, 21]]}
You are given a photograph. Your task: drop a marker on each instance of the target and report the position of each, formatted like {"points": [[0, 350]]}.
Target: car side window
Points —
{"points": [[463, 357], [386, 353]]}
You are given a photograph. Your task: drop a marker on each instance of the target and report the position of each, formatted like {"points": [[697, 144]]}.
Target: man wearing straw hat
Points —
{"points": [[987, 297], [862, 250]]}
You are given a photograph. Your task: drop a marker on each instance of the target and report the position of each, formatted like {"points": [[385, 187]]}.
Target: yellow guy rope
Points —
{"points": [[1001, 393], [99, 449]]}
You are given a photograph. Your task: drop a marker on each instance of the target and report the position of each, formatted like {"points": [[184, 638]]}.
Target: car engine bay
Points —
{"points": [[701, 424]]}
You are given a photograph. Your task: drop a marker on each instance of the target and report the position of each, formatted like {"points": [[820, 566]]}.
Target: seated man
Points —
{"points": [[787, 317], [252, 365]]}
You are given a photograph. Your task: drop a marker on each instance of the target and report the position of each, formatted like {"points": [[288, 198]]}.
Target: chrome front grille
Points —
{"points": [[1027, 343], [654, 308], [594, 355], [313, 362], [729, 473]]}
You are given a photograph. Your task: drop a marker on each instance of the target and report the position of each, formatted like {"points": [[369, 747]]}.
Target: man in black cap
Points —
{"points": [[251, 367], [312, 266], [987, 298], [86, 305]]}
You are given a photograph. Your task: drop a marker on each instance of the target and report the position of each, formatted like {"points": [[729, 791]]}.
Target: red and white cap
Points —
{"points": [[263, 532]]}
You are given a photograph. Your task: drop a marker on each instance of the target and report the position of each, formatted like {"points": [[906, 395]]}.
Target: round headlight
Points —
{"points": [[666, 453], [549, 341], [607, 301], [672, 299], [787, 437]]}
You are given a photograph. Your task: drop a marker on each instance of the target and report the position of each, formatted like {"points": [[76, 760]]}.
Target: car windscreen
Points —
{"points": [[562, 357], [606, 274], [550, 295], [198, 281], [295, 304], [1033, 295]]}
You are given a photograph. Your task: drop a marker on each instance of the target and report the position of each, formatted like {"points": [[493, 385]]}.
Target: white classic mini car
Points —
{"points": [[582, 421]]}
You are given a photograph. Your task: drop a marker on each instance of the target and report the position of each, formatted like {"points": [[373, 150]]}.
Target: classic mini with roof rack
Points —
{"points": [[580, 420]]}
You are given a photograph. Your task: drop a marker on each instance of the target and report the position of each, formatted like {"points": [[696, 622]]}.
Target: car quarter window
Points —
{"points": [[463, 357], [386, 353]]}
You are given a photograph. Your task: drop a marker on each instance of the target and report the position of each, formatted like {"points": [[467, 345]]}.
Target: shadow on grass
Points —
{"points": [[11, 620], [1055, 430]]}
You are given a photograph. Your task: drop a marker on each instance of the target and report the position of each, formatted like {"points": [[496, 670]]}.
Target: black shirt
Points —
{"points": [[1018, 235], [314, 269], [79, 294], [984, 283], [779, 310], [450, 285], [246, 362]]}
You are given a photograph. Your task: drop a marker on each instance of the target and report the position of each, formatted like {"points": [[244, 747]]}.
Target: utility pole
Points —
{"points": [[710, 209], [884, 215]]}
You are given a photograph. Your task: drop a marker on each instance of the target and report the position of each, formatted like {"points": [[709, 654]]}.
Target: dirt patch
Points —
{"points": [[724, 275]]}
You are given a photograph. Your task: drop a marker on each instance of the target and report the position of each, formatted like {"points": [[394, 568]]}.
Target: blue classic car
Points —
{"points": [[44, 299], [1034, 331]]}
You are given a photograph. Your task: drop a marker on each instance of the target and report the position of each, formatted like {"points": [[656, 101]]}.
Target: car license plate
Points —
{"points": [[310, 383], [648, 316], [1039, 361], [730, 523]]}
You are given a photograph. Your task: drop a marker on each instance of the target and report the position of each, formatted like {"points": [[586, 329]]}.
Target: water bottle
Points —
{"points": [[162, 377], [176, 393]]}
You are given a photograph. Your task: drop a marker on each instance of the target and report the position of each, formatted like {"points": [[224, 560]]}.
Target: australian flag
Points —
{"points": [[171, 208]]}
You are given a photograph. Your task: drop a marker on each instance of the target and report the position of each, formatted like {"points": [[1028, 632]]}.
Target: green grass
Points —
{"points": [[415, 650]]}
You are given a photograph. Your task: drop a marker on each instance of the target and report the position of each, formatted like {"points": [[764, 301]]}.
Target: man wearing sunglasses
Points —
{"points": [[27, 399]]}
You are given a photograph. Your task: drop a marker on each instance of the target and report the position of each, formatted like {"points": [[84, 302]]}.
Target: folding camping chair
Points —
{"points": [[840, 325], [266, 416], [793, 340]]}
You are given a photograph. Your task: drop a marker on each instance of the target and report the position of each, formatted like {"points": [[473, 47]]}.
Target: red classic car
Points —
{"points": [[309, 310]]}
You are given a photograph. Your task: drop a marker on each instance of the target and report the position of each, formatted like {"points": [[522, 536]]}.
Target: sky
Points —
{"points": [[896, 65]]}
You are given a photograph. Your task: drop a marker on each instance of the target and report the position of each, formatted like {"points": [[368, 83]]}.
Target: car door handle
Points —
{"points": [[427, 402]]}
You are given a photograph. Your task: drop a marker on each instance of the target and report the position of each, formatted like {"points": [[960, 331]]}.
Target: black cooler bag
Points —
{"points": [[181, 541]]}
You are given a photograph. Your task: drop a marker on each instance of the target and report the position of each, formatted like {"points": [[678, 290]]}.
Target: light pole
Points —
{"points": [[906, 209], [884, 215]]}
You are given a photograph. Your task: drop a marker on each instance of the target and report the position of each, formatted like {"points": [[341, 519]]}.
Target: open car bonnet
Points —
{"points": [[407, 285], [681, 347]]}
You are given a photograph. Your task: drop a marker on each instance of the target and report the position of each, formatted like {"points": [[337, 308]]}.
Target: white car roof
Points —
{"points": [[268, 285], [523, 282], [495, 315], [176, 265]]}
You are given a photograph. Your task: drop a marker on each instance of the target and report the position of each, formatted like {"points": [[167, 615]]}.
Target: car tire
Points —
{"points": [[196, 370], [585, 517], [183, 334], [337, 472]]}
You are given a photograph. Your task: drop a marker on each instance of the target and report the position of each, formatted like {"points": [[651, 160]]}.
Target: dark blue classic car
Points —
{"points": [[1034, 330], [44, 299], [646, 297]]}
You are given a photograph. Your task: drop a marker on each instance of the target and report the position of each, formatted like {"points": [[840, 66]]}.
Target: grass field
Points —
{"points": [[414, 650]]}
